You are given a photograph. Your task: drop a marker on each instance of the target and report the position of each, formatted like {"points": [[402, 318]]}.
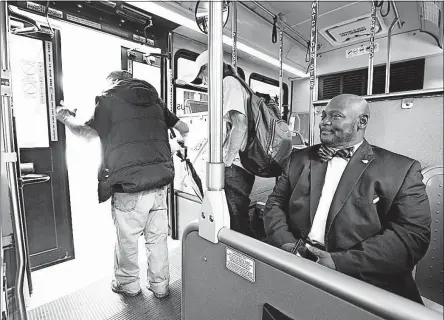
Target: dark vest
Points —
{"points": [[136, 151]]}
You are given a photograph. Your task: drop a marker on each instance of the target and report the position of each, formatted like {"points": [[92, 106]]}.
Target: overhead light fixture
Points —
{"points": [[191, 24], [264, 57]]}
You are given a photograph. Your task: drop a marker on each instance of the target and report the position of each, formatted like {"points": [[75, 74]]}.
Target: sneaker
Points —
{"points": [[117, 288], [160, 295]]}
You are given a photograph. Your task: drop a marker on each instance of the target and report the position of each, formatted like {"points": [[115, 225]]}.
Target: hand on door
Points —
{"points": [[63, 112]]}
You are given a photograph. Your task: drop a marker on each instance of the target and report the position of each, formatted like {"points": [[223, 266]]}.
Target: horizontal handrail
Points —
{"points": [[368, 297]]}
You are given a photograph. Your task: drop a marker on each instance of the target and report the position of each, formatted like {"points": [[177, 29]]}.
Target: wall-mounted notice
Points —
{"points": [[51, 90], [359, 51], [240, 264], [29, 92]]}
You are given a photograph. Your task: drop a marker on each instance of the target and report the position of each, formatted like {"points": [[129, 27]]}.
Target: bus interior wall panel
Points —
{"points": [[407, 131], [121, 21]]}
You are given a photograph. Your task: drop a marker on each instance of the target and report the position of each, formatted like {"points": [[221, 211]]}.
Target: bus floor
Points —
{"points": [[80, 288], [96, 301]]}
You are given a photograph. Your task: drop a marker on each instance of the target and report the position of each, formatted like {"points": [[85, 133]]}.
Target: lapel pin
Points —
{"points": [[365, 161]]}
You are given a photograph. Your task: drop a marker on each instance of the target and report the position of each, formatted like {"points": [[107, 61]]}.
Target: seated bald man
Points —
{"points": [[359, 209]]}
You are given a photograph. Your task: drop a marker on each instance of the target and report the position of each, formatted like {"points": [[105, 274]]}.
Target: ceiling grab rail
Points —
{"points": [[389, 48], [395, 9], [214, 214], [312, 67], [287, 26], [11, 158], [234, 35], [372, 49]]}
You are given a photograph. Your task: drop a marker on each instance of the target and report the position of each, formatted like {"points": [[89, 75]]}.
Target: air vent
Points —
{"points": [[353, 30], [404, 76]]}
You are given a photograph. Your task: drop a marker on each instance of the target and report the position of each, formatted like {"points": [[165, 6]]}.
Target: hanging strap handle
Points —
{"points": [[274, 33]]}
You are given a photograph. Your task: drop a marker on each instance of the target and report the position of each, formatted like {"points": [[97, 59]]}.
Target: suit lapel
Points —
{"points": [[354, 170], [317, 177]]}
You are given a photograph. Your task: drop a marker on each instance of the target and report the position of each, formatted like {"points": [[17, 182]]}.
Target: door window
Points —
{"points": [[150, 74]]}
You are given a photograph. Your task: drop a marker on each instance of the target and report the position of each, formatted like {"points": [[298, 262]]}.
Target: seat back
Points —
{"points": [[429, 271]]}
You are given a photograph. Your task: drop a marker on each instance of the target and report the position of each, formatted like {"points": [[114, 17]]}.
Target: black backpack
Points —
{"points": [[269, 141]]}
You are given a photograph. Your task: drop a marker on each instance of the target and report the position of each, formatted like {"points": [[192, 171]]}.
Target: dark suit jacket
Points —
{"points": [[379, 243]]}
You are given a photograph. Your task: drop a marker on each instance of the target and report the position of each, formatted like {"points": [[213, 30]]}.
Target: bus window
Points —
{"points": [[261, 84], [191, 104], [265, 88]]}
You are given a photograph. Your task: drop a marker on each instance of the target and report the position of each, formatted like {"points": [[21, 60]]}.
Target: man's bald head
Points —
{"points": [[344, 120], [352, 102]]}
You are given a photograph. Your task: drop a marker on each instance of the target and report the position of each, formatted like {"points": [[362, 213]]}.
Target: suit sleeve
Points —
{"points": [[403, 242], [276, 209]]}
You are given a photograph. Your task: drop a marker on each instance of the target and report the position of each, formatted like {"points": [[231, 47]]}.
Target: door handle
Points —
{"points": [[29, 177], [34, 178]]}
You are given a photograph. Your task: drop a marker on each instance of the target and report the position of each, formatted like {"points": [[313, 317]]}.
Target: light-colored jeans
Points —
{"points": [[136, 213]]}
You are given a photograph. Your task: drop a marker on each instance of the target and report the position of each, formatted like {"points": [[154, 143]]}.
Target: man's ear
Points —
{"points": [[363, 121]]}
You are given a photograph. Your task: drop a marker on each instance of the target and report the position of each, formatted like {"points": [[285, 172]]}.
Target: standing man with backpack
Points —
{"points": [[238, 181]]}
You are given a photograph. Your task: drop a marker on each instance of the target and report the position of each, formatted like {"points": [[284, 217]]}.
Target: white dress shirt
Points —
{"points": [[335, 169]]}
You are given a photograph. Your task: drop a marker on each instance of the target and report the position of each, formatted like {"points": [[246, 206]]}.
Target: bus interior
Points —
{"points": [[58, 243]]}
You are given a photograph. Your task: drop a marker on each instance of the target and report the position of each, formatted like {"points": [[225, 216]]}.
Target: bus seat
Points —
{"points": [[429, 271]]}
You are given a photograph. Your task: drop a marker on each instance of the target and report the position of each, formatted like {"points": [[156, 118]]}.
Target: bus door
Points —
{"points": [[36, 84]]}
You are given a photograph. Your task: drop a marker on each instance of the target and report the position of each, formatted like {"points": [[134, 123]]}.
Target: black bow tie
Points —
{"points": [[326, 153]]}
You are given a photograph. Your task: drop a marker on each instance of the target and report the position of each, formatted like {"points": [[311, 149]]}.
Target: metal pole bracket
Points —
{"points": [[9, 156], [6, 90]]}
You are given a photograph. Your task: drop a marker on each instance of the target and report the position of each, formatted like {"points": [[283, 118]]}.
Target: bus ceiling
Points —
{"points": [[343, 28]]}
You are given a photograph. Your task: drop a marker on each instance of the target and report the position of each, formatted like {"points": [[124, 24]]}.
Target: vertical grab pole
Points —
{"points": [[214, 215], [387, 66], [313, 51], [372, 50], [281, 70], [215, 90], [234, 35], [172, 212], [11, 158]]}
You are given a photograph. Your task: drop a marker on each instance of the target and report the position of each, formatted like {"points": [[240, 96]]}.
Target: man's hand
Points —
{"points": [[174, 145], [324, 258], [287, 247], [62, 112]]}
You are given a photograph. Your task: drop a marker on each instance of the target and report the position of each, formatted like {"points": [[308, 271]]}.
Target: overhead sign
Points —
{"points": [[42, 9], [359, 51]]}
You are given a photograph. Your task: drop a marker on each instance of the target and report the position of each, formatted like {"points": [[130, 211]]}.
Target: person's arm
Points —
{"points": [[276, 211], [182, 127], [173, 121], [238, 132], [234, 107], [405, 239], [79, 129]]}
